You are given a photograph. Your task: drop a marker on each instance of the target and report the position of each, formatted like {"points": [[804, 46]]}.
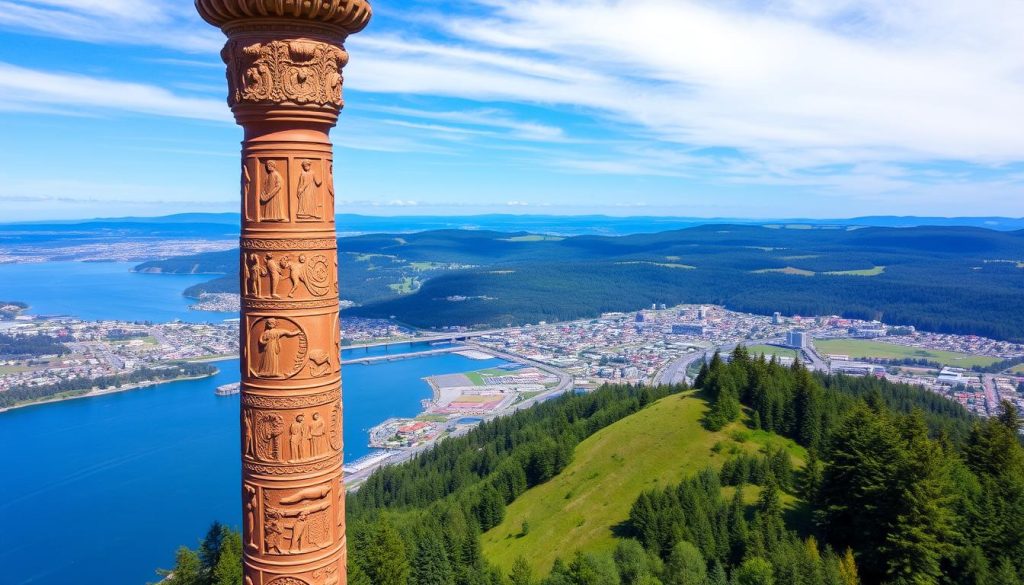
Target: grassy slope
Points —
{"points": [[579, 508], [862, 348]]}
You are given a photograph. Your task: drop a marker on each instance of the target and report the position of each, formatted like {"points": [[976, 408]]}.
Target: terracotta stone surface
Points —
{"points": [[284, 60]]}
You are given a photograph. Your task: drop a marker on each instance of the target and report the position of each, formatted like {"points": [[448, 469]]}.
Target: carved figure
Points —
{"points": [[295, 434], [275, 268], [250, 510], [269, 429], [272, 531], [270, 349], [319, 363], [272, 201], [247, 435], [297, 274], [317, 436], [300, 539], [254, 276], [308, 193], [311, 493], [330, 181]]}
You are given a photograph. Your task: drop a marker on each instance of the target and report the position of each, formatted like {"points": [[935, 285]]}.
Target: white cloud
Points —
{"points": [[29, 89], [797, 84], [168, 23]]}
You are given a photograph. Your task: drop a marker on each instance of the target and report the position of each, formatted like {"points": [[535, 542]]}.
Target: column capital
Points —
{"points": [[286, 53], [341, 17]]}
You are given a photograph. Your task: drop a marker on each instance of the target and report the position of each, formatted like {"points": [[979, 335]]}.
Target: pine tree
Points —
{"points": [[848, 568], [521, 573], [431, 566], [188, 569], [385, 560], [737, 525], [923, 531], [210, 547], [229, 566], [717, 575]]}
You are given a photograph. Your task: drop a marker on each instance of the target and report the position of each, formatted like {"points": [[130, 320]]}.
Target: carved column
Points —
{"points": [[284, 61]]}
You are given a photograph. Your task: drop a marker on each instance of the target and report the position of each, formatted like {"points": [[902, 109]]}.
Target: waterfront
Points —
{"points": [[126, 478], [103, 290]]}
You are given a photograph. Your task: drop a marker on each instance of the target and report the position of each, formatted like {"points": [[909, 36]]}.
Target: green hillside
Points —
{"points": [[581, 507]]}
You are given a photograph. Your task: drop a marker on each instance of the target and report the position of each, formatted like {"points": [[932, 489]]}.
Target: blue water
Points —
{"points": [[103, 290], [104, 489]]}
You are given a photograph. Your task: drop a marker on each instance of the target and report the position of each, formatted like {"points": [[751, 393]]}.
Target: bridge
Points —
{"points": [[401, 356], [439, 338]]}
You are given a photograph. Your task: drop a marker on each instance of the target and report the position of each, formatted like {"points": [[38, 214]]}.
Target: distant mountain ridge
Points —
{"points": [[943, 279], [205, 224]]}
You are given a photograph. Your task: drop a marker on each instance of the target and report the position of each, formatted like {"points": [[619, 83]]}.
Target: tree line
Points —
{"points": [[22, 346], [31, 393]]}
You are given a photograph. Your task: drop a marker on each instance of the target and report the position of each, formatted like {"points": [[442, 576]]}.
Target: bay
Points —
{"points": [[104, 489], [103, 290]]}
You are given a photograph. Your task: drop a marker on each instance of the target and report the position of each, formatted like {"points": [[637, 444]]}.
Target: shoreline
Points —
{"points": [[98, 392]]}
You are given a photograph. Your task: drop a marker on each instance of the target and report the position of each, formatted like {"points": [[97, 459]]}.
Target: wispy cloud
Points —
{"points": [[24, 88], [853, 98]]}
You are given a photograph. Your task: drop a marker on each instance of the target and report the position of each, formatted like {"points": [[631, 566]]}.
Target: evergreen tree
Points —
{"points": [[431, 566], [210, 547], [848, 568], [923, 531], [685, 566], [521, 573], [356, 576], [188, 569], [228, 570], [632, 561], [754, 571], [384, 557], [717, 575]]}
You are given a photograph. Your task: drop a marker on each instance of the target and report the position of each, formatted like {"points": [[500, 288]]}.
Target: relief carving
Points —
{"points": [[327, 575], [307, 194], [283, 402], [336, 442], [289, 244], [292, 469], [283, 304], [298, 71], [309, 272], [287, 581], [281, 347], [251, 506], [269, 428], [273, 195], [307, 439], [319, 363], [298, 523]]}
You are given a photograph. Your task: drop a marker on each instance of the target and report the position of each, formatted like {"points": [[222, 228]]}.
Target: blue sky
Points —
{"points": [[734, 108]]}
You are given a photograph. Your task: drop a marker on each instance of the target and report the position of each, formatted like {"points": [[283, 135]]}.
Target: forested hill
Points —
{"points": [[771, 475], [944, 279]]}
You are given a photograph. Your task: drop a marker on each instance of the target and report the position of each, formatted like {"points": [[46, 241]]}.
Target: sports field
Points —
{"points": [[865, 348]]}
